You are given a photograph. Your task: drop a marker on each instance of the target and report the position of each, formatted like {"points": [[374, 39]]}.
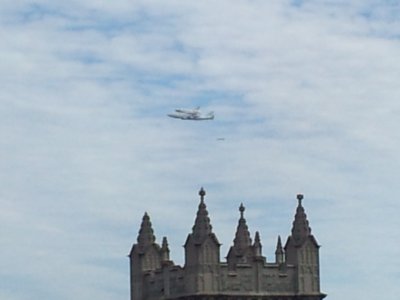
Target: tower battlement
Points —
{"points": [[246, 274]]}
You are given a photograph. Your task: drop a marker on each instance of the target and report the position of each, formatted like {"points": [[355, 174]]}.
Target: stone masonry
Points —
{"points": [[245, 275]]}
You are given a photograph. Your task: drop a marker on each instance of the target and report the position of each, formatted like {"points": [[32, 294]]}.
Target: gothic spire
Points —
{"points": [[257, 245], [202, 226], [164, 246], [242, 238], [279, 248], [300, 230], [146, 236], [164, 250], [279, 251]]}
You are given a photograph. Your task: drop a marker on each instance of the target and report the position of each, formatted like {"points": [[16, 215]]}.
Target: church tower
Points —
{"points": [[201, 254], [245, 275]]}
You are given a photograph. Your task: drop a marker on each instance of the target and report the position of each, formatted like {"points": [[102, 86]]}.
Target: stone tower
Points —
{"points": [[246, 274]]}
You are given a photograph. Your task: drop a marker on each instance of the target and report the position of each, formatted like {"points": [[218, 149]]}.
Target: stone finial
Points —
{"points": [[241, 209], [202, 193], [300, 198]]}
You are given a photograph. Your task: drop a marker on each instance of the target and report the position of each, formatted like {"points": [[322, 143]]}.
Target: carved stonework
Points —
{"points": [[294, 275]]}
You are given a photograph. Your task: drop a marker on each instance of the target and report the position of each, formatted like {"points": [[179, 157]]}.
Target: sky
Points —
{"points": [[306, 97]]}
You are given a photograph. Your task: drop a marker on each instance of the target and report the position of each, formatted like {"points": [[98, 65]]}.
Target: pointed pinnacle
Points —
{"points": [[279, 244]]}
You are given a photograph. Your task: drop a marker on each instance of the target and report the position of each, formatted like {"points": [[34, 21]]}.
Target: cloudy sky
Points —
{"points": [[306, 96]]}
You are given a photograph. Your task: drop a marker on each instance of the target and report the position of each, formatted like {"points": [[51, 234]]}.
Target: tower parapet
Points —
{"points": [[245, 275]]}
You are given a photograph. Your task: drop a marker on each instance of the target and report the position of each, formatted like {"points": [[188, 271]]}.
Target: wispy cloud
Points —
{"points": [[305, 95]]}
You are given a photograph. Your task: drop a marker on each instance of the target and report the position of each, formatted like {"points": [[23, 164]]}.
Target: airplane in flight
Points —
{"points": [[191, 114], [188, 111]]}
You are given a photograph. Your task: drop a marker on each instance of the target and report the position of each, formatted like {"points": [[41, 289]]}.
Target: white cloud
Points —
{"points": [[305, 95]]}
